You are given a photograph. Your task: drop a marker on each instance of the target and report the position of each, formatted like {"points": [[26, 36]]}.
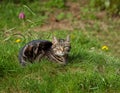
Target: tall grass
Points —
{"points": [[86, 71], [89, 70]]}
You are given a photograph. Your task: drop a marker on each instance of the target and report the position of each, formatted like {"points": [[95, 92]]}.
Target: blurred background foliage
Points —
{"points": [[17, 1], [111, 6]]}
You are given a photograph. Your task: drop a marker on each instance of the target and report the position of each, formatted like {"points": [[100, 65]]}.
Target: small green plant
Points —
{"points": [[60, 16]]}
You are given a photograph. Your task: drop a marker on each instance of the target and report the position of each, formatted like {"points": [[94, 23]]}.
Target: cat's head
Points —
{"points": [[61, 47]]}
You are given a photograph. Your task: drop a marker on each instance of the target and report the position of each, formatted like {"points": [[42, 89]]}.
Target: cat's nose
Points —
{"points": [[60, 53]]}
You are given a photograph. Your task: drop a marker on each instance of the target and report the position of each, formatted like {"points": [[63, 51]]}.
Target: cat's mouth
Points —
{"points": [[60, 54]]}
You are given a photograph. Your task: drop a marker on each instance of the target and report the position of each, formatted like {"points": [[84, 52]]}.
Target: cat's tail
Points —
{"points": [[22, 57], [22, 60]]}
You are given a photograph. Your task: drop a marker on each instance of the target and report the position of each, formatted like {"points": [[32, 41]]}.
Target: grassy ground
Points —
{"points": [[90, 69]]}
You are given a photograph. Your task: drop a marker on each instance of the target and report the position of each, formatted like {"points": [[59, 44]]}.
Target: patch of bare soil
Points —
{"points": [[76, 22], [53, 25]]}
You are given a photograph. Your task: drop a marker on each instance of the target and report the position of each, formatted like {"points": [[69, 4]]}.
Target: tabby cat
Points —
{"points": [[56, 51]]}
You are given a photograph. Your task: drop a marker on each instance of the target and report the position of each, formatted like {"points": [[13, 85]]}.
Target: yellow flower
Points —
{"points": [[18, 41], [72, 36], [104, 47]]}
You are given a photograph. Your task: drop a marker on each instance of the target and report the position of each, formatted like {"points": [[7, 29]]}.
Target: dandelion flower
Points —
{"points": [[72, 36], [21, 15], [104, 47], [18, 41]]}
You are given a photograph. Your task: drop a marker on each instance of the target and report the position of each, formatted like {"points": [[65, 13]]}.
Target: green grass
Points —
{"points": [[89, 70]]}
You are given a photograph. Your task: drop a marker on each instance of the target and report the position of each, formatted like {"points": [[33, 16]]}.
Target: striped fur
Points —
{"points": [[33, 51], [60, 59], [56, 51], [59, 50]]}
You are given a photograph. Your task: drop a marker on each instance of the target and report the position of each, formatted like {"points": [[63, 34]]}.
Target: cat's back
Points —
{"points": [[39, 41], [44, 44], [36, 44]]}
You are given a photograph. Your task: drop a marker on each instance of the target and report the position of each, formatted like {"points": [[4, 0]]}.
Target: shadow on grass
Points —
{"points": [[2, 73], [9, 70], [89, 57], [78, 58]]}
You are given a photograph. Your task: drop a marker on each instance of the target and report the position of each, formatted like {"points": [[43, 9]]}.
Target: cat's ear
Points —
{"points": [[68, 38], [54, 41]]}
